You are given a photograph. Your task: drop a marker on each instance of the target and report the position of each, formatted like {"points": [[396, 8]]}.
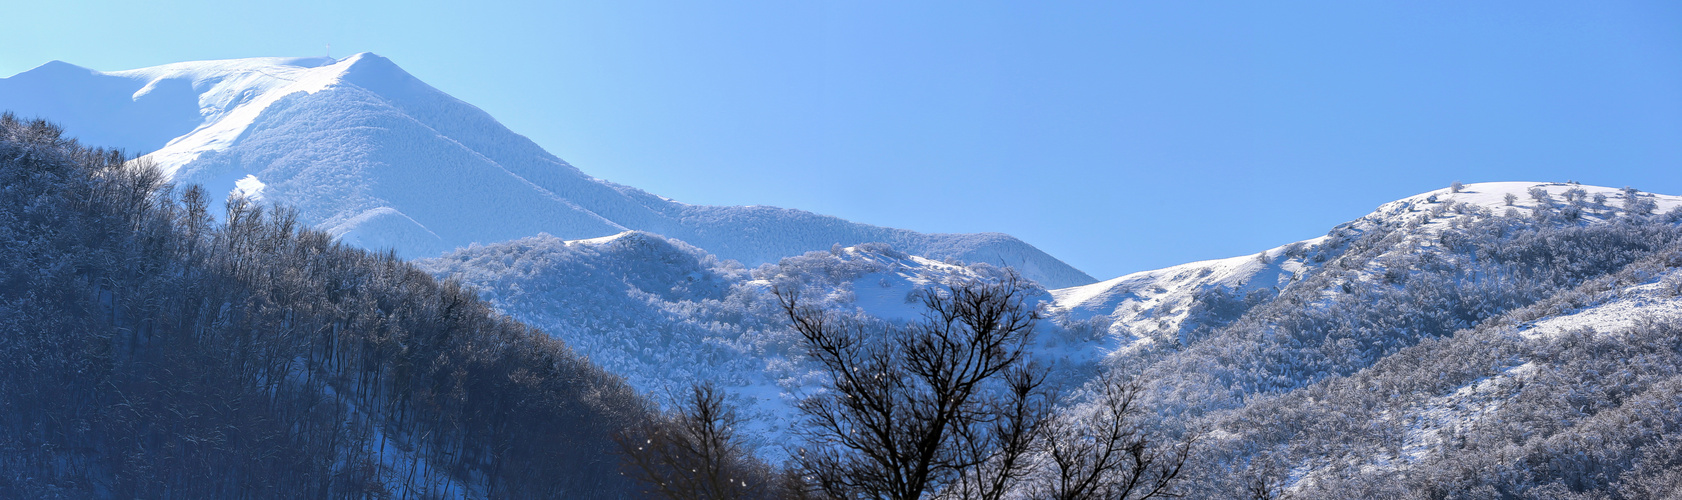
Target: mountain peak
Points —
{"points": [[379, 158], [57, 67], [369, 61]]}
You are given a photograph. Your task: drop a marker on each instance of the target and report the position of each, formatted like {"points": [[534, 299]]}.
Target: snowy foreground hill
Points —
{"points": [[1441, 335], [665, 314], [382, 160]]}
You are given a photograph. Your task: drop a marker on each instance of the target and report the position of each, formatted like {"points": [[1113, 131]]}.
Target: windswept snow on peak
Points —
{"points": [[380, 159], [231, 95], [190, 106]]}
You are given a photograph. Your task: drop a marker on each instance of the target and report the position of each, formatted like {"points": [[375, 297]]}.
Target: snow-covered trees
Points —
{"points": [[1635, 204], [151, 352], [1321, 391], [1576, 195], [1104, 451]]}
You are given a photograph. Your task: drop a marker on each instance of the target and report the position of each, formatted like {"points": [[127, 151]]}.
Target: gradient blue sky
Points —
{"points": [[1117, 136]]}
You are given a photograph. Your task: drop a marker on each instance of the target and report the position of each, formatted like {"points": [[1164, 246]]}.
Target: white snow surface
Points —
{"points": [[382, 160], [1161, 300], [1645, 302], [250, 187]]}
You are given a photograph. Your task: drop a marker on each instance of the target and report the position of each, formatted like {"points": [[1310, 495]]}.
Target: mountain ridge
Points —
{"points": [[381, 160], [1155, 305]]}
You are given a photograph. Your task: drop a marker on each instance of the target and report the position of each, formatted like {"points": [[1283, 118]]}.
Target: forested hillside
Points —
{"points": [[1458, 344], [148, 350]]}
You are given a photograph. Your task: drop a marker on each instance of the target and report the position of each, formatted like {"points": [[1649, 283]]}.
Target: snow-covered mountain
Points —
{"points": [[1220, 342], [1505, 339], [382, 160], [1171, 303], [665, 314], [1509, 338]]}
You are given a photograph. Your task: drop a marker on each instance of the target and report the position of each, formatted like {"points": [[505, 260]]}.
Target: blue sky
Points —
{"points": [[1117, 136]]}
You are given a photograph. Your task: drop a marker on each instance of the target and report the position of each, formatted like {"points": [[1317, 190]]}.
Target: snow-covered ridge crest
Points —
{"points": [[1146, 306], [204, 105], [232, 94], [380, 159], [1143, 307], [1595, 203]]}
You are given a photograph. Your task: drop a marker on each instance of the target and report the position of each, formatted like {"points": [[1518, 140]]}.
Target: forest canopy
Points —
{"points": [[148, 349]]}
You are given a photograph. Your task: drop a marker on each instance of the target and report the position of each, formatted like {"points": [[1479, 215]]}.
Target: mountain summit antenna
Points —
{"points": [[329, 51]]}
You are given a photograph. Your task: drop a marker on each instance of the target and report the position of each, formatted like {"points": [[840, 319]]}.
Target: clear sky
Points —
{"points": [[1118, 136]]}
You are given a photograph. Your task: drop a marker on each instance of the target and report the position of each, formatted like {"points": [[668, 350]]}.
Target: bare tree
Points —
{"points": [[1105, 453], [947, 404], [694, 452]]}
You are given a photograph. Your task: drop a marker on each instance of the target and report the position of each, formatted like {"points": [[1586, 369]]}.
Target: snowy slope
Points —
{"points": [[1149, 306], [1164, 304], [382, 160], [664, 314]]}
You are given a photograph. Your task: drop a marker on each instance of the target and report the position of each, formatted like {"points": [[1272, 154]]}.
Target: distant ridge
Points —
{"points": [[382, 160], [1166, 304]]}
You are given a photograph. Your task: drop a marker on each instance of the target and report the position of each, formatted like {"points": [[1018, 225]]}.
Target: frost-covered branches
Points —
{"points": [[948, 404], [1103, 450]]}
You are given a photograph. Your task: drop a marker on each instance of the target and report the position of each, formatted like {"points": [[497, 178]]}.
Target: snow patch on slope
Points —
{"points": [[250, 188], [1431, 424], [1652, 301]]}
